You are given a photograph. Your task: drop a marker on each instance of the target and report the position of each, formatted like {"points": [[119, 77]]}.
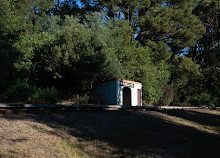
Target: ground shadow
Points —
{"points": [[133, 134]]}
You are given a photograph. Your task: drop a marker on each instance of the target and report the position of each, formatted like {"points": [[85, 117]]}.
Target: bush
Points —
{"points": [[3, 83], [168, 95], [20, 90], [48, 95], [82, 99], [96, 98], [195, 101], [206, 99], [151, 94]]}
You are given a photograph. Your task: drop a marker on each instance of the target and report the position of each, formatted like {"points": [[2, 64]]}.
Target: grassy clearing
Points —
{"points": [[173, 133], [28, 138], [185, 122]]}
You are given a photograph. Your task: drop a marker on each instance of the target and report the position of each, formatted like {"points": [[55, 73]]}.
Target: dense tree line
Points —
{"points": [[62, 48]]}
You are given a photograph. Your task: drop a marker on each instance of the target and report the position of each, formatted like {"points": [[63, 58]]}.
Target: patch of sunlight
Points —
{"points": [[213, 112], [65, 149], [185, 122]]}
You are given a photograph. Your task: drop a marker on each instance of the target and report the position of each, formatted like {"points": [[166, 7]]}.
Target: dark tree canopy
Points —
{"points": [[66, 47]]}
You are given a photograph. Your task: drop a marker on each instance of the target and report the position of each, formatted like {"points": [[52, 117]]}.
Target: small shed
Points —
{"points": [[120, 92]]}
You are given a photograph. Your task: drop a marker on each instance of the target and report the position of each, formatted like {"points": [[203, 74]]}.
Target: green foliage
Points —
{"points": [[171, 23], [29, 45], [139, 63], [206, 52], [8, 35], [158, 51], [168, 95], [139, 67], [185, 74], [204, 99], [137, 40], [82, 99], [21, 90], [72, 53], [47, 95]]}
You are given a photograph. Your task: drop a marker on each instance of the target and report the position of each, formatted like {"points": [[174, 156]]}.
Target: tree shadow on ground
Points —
{"points": [[133, 134]]}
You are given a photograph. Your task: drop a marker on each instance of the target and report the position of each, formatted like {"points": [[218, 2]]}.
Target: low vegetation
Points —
{"points": [[174, 133]]}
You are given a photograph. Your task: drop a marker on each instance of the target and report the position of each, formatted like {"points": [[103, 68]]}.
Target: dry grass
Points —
{"points": [[21, 138], [185, 122], [28, 138], [171, 133], [213, 112]]}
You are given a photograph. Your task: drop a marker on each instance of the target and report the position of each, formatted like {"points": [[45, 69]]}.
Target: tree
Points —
{"points": [[171, 22], [139, 67], [207, 50], [139, 63], [73, 56], [186, 79], [16, 18]]}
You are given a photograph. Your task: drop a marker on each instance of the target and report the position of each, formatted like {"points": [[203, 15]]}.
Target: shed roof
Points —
{"points": [[119, 79], [128, 81]]}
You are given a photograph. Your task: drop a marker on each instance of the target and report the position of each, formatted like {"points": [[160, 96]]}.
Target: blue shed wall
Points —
{"points": [[109, 92]]}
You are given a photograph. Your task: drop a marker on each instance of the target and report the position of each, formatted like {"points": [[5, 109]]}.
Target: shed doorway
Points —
{"points": [[139, 97], [126, 96]]}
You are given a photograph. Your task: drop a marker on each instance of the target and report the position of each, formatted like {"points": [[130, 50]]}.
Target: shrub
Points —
{"points": [[152, 94], [48, 95], [205, 99], [168, 95], [20, 90], [195, 101], [96, 98], [3, 83], [82, 99]]}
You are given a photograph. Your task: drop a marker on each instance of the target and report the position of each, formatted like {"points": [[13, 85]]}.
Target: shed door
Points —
{"points": [[139, 97], [126, 96]]}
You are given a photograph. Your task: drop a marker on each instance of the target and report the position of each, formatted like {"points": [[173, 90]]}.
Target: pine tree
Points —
{"points": [[207, 50]]}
